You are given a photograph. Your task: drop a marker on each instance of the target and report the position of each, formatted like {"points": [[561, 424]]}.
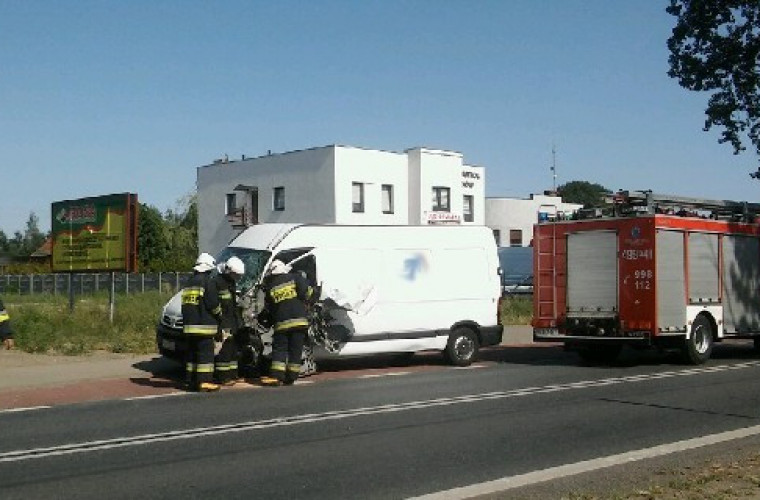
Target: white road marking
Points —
{"points": [[121, 442], [29, 408], [157, 396], [539, 476], [389, 374]]}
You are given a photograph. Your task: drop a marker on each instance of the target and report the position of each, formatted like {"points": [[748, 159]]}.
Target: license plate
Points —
{"points": [[168, 344]]}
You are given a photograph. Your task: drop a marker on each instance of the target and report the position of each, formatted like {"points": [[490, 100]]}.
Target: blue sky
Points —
{"points": [[100, 97]]}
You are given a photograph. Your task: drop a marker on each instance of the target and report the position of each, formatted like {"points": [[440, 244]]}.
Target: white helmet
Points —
{"points": [[235, 266], [278, 267], [204, 263]]}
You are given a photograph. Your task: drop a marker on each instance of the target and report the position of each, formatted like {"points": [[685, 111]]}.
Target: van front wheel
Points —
{"points": [[462, 348]]}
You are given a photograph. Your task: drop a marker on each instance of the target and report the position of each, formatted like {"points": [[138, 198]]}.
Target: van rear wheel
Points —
{"points": [[462, 348]]}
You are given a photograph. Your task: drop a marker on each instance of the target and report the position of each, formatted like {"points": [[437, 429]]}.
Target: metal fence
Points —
{"points": [[89, 283]]}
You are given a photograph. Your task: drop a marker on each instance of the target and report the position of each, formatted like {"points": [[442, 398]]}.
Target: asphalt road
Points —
{"points": [[383, 432]]}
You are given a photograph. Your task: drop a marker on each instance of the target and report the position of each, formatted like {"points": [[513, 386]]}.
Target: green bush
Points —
{"points": [[516, 310]]}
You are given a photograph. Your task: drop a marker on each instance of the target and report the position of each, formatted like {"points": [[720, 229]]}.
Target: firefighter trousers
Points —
{"points": [[199, 363], [287, 349], [226, 361]]}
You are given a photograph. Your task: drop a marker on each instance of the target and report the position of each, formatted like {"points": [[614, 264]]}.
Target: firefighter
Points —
{"points": [[201, 314], [6, 334], [226, 361], [286, 296]]}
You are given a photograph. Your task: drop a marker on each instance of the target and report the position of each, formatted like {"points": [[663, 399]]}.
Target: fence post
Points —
{"points": [[71, 292]]}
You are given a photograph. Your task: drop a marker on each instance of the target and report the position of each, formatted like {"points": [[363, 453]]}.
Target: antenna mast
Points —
{"points": [[554, 169]]}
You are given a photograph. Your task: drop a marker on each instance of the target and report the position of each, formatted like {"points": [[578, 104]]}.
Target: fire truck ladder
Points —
{"points": [[546, 257], [633, 202]]}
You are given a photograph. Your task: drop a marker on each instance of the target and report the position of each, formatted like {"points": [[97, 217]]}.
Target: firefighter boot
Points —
{"points": [[208, 387], [270, 381]]}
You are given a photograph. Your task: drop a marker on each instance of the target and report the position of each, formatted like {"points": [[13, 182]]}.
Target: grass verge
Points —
{"points": [[44, 323], [716, 479]]}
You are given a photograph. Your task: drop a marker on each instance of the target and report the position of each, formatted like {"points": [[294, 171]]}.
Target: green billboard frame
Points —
{"points": [[95, 234]]}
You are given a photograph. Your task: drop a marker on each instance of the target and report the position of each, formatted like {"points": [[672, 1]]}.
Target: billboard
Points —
{"points": [[95, 234]]}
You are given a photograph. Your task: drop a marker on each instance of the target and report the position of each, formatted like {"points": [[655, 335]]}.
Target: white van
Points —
{"points": [[385, 289]]}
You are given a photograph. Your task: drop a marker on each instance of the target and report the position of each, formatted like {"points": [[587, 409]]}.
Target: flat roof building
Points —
{"points": [[337, 185], [512, 219]]}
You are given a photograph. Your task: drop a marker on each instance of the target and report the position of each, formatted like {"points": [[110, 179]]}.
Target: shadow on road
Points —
{"points": [[164, 372]]}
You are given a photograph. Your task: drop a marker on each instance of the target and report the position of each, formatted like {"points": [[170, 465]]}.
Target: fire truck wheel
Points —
{"points": [[462, 348], [698, 347]]}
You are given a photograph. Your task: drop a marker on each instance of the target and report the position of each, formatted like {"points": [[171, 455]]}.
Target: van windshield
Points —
{"points": [[254, 261]]}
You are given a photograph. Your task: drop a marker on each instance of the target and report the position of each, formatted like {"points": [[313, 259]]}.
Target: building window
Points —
{"points": [[357, 197], [278, 199], [467, 208], [230, 204], [515, 237], [497, 237], [441, 199], [387, 201]]}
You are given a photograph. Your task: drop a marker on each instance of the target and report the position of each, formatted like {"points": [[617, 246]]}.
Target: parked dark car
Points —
{"points": [[517, 270]]}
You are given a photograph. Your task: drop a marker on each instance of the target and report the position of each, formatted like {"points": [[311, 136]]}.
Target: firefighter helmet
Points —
{"points": [[204, 263], [235, 266]]}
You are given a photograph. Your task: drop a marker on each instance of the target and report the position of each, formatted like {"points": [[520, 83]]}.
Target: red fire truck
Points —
{"points": [[654, 270]]}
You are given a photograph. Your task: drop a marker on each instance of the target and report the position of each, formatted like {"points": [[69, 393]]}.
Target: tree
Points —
{"points": [[152, 247], [33, 237], [586, 193], [182, 232], [26, 243], [715, 47]]}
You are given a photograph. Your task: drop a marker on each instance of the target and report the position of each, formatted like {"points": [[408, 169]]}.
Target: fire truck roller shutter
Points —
{"points": [[741, 284], [592, 274], [671, 284]]}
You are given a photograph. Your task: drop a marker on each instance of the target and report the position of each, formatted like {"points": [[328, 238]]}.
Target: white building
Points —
{"points": [[337, 184], [512, 219]]}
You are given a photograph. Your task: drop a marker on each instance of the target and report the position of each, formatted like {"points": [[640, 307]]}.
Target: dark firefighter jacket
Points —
{"points": [[5, 323], [228, 301], [286, 296], [200, 306]]}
